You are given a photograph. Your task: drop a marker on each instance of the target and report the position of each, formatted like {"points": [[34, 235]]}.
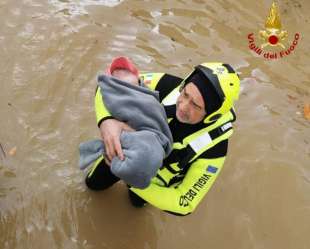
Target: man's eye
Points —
{"points": [[197, 107]]}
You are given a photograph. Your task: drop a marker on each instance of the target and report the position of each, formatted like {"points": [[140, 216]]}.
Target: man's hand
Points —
{"points": [[110, 131]]}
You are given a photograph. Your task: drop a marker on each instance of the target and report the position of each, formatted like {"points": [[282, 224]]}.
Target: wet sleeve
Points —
{"points": [[101, 111], [184, 198]]}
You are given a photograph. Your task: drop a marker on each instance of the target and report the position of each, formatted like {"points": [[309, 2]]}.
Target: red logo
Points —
{"points": [[273, 38]]}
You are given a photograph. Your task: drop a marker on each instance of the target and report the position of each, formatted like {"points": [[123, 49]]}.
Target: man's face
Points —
{"points": [[125, 75], [190, 105]]}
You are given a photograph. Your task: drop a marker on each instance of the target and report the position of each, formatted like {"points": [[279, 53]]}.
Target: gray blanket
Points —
{"points": [[144, 149]]}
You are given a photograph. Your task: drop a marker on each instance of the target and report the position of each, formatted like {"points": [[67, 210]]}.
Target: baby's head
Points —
{"points": [[123, 69], [125, 75]]}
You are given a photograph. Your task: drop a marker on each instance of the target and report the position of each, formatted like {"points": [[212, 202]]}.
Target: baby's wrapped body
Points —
{"points": [[144, 149]]}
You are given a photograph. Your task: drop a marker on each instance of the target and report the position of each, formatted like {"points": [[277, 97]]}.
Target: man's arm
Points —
{"points": [[184, 198]]}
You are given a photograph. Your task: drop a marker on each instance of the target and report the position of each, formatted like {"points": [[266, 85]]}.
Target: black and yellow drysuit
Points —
{"points": [[199, 150]]}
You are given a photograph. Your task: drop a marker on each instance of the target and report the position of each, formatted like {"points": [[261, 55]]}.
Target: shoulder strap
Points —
{"points": [[203, 142], [194, 148]]}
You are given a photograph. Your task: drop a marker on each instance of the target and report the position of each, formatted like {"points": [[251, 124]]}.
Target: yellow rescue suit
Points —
{"points": [[186, 176]]}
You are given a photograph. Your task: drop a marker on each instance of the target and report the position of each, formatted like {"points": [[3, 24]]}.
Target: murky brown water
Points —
{"points": [[51, 52]]}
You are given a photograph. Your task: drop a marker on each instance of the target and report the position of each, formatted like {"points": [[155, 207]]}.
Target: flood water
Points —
{"points": [[51, 53]]}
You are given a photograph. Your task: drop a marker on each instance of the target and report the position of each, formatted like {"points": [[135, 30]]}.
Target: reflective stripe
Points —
{"points": [[205, 139], [215, 141], [200, 142], [226, 126], [171, 99]]}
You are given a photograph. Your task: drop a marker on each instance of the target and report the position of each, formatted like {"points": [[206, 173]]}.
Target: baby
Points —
{"points": [[126, 75], [127, 99]]}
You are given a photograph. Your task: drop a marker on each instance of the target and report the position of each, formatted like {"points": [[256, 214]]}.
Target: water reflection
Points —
{"points": [[124, 227], [75, 7]]}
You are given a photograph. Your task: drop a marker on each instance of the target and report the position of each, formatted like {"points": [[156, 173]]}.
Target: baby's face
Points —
{"points": [[125, 75]]}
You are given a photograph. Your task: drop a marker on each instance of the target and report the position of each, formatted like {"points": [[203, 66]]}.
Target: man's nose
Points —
{"points": [[184, 105]]}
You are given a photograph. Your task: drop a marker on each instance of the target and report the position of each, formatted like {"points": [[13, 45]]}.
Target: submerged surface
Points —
{"points": [[51, 52]]}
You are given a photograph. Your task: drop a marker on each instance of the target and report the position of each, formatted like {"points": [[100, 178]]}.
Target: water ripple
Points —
{"points": [[74, 7]]}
